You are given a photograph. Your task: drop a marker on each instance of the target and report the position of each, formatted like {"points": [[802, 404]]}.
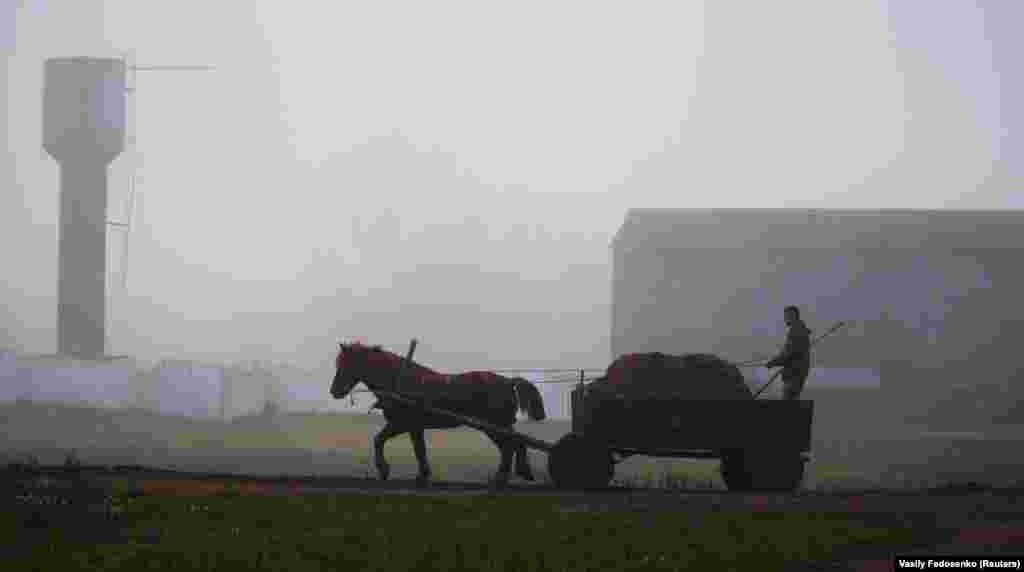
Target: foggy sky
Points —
{"points": [[454, 171]]}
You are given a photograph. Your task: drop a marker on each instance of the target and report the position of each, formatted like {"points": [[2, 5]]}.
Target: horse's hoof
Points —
{"points": [[423, 482], [383, 471], [527, 477]]}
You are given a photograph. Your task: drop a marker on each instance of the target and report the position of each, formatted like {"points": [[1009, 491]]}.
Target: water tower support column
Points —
{"points": [[81, 275], [84, 115]]}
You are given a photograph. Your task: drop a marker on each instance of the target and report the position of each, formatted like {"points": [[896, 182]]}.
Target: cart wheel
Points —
{"points": [[762, 470], [780, 471], [577, 462], [734, 471]]}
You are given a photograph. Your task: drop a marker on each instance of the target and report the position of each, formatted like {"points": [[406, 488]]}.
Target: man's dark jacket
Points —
{"points": [[795, 357]]}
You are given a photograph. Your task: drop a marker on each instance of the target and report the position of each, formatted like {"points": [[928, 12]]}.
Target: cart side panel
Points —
{"points": [[660, 422]]}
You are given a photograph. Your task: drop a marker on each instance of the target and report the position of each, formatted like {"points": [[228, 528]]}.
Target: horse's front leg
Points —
{"points": [[389, 431], [419, 446]]}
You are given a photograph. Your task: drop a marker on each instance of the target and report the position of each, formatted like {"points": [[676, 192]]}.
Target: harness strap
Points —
{"points": [[515, 392]]}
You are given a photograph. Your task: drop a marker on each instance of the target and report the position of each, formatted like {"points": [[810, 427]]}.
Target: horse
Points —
{"points": [[480, 394]]}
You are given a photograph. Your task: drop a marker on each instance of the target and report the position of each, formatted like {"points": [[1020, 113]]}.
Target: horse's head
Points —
{"points": [[350, 368], [530, 400]]}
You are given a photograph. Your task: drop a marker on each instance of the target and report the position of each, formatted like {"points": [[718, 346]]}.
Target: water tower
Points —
{"points": [[84, 116]]}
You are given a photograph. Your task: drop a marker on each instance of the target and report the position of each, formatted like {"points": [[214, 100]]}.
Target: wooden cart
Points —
{"points": [[762, 444]]}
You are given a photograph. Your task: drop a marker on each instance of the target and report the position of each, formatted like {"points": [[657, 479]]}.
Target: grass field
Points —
{"points": [[350, 532]]}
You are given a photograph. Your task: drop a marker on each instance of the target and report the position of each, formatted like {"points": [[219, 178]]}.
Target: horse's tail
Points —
{"points": [[530, 401]]}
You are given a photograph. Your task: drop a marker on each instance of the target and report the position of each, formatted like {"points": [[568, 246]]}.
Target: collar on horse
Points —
{"points": [[515, 392]]}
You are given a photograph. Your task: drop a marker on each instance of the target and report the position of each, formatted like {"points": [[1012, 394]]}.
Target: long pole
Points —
{"points": [[765, 386], [821, 337]]}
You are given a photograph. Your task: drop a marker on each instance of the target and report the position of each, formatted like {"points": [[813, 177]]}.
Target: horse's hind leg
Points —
{"points": [[419, 446], [507, 448], [389, 431], [523, 462]]}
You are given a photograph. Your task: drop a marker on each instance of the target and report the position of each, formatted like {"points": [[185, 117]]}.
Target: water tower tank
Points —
{"points": [[84, 104]]}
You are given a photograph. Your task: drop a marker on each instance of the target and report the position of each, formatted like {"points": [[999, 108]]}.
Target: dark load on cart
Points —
{"points": [[696, 376], [689, 406]]}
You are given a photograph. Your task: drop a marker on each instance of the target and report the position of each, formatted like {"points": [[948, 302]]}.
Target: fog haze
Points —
{"points": [[455, 171]]}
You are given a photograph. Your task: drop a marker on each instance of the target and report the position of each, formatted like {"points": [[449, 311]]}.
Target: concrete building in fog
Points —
{"points": [[932, 297]]}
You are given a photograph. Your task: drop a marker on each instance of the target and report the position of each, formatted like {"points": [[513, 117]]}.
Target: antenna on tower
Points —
{"points": [[131, 90], [132, 141], [133, 158]]}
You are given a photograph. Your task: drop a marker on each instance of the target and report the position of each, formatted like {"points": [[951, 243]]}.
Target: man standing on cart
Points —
{"points": [[795, 357]]}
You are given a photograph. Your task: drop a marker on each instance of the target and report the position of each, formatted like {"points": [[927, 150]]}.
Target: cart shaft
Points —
{"points": [[480, 424]]}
